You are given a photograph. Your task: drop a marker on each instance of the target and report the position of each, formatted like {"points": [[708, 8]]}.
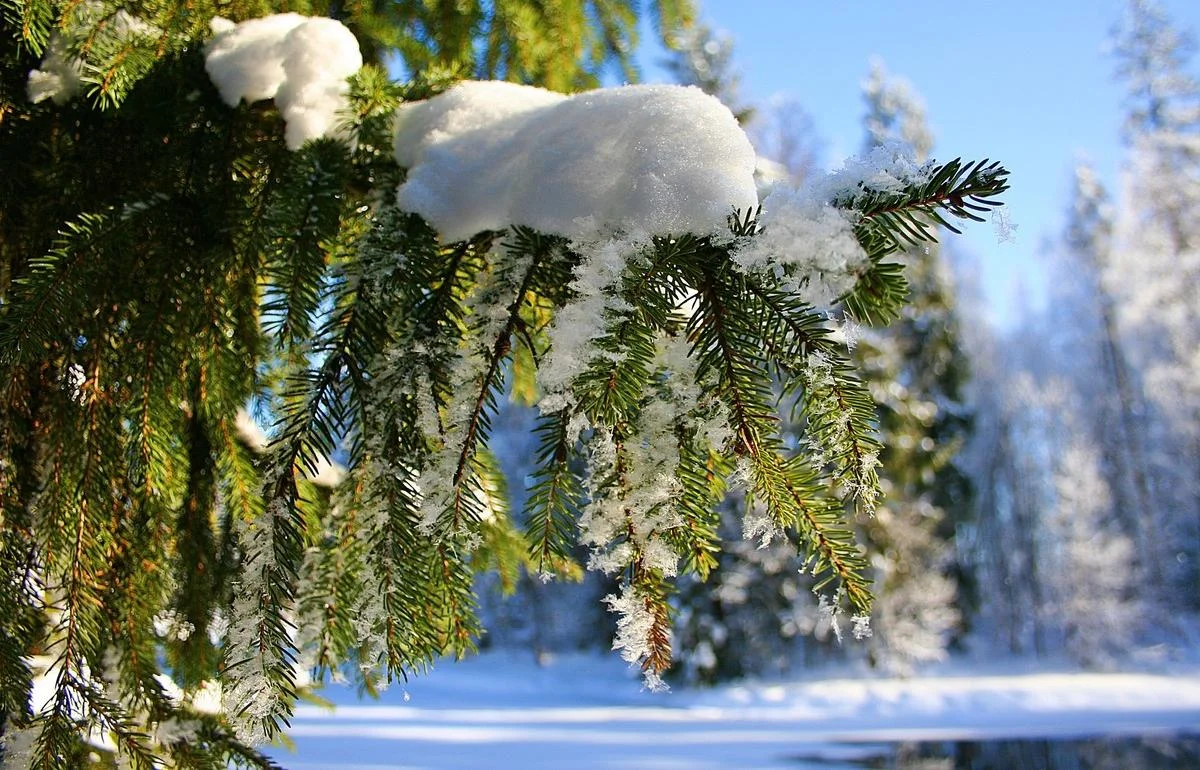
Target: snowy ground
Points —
{"points": [[502, 710]]}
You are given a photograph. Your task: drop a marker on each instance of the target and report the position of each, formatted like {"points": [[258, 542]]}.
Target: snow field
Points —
{"points": [[501, 710]]}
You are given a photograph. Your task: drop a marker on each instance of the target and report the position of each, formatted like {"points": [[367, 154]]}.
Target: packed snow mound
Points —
{"points": [[635, 160], [300, 62]]}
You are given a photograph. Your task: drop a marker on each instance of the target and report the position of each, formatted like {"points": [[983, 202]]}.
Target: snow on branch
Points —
{"points": [[651, 160], [604, 253], [300, 62]]}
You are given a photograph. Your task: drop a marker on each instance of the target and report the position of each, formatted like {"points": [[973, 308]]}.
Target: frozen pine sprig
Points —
{"points": [[660, 360], [836, 404], [806, 243], [374, 304], [643, 629], [259, 677], [903, 206]]}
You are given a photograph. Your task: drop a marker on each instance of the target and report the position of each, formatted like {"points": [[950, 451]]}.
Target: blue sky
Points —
{"points": [[1029, 83]]}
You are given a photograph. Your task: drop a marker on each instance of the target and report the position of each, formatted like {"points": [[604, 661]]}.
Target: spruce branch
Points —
{"points": [[701, 475], [839, 409], [381, 346], [301, 222], [34, 20], [723, 337], [503, 550], [890, 220], [196, 552], [330, 580], [526, 252], [555, 496], [962, 190], [652, 590], [53, 293], [724, 344]]}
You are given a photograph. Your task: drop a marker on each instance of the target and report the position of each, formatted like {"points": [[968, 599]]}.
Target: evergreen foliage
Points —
{"points": [[166, 262]]}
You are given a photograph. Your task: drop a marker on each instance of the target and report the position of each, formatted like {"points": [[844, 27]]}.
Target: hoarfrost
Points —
{"points": [[808, 242], [889, 167], [172, 625], [847, 331], [300, 62], [581, 321], [176, 730], [758, 525], [830, 611], [249, 694], [807, 234], [1006, 231], [207, 698], [742, 475], [650, 158], [862, 626], [635, 622]]}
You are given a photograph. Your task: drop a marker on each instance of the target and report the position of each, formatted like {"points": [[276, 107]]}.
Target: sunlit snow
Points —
{"points": [[60, 76], [502, 710], [646, 159], [300, 62]]}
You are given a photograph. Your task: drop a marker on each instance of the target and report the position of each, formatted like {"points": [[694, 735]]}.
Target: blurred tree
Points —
{"points": [[1087, 443], [1153, 276], [703, 58]]}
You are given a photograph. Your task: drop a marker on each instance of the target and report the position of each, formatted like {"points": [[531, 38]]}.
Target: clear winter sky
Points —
{"points": [[1026, 82]]}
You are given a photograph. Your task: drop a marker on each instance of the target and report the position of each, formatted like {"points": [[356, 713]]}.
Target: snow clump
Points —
{"points": [[60, 76], [889, 167], [654, 159], [300, 62], [635, 624]]}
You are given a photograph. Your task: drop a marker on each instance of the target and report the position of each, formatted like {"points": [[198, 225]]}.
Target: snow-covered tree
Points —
{"points": [[1097, 421], [202, 216], [1097, 607], [1154, 270]]}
